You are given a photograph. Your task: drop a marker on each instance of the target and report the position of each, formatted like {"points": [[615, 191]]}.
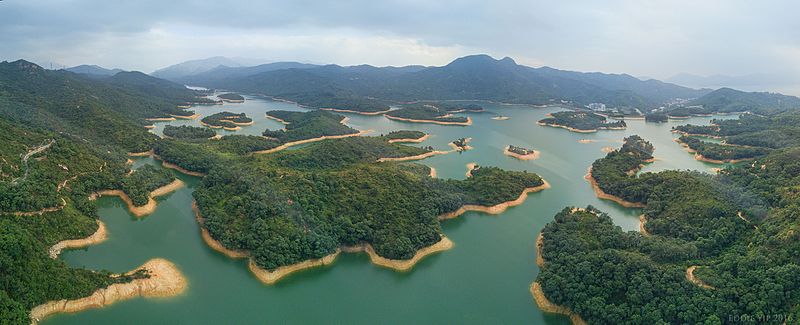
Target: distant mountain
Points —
{"points": [[478, 77], [727, 100], [93, 70], [223, 72], [758, 79], [193, 67]]}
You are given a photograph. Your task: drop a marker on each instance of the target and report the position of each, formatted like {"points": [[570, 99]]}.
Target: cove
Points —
{"points": [[484, 278]]}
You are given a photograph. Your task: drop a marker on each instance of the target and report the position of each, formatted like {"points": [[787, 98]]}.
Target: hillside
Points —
{"points": [[105, 111], [727, 100], [94, 70], [477, 77]]}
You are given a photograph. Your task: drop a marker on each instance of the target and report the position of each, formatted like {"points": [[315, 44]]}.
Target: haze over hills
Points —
{"points": [[193, 67], [93, 70], [477, 77]]}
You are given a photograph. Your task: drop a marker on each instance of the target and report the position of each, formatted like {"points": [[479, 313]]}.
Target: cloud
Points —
{"points": [[655, 38]]}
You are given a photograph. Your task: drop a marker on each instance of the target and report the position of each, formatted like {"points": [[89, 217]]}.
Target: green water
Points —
{"points": [[483, 279]]}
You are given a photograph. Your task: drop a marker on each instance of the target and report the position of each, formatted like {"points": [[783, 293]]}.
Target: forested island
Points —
{"points": [[426, 114], [188, 132], [226, 120], [308, 125], [282, 203], [461, 144], [583, 122], [656, 117], [455, 107], [231, 97], [520, 152], [713, 246], [406, 136]]}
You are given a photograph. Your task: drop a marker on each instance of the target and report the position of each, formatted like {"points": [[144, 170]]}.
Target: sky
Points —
{"points": [[643, 38]]}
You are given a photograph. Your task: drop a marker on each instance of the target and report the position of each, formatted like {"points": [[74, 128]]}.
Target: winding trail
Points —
{"points": [[690, 276], [27, 156]]}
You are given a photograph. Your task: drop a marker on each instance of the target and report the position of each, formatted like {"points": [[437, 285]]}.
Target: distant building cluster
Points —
{"points": [[600, 107]]}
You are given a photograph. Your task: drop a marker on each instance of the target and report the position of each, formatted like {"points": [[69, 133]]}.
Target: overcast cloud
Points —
{"points": [[642, 38]]}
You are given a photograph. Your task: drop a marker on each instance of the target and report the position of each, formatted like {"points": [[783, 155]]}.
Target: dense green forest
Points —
{"points": [[307, 125], [656, 118], [58, 177], [301, 204], [736, 227], [231, 96], [775, 132], [108, 112], [226, 120], [188, 132], [425, 112], [404, 134], [583, 121], [721, 151], [455, 106]]}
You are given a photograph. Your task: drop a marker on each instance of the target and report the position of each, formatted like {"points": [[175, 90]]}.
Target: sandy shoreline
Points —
{"points": [[566, 127], [690, 276], [170, 165], [607, 149], [99, 236], [354, 112], [546, 306], [417, 157], [150, 207], [186, 117], [530, 156], [642, 222], [470, 167], [433, 172], [468, 122], [586, 141], [500, 118], [418, 140], [160, 119], [165, 280], [600, 194], [141, 154], [324, 137], [539, 244], [276, 119], [498, 208]]}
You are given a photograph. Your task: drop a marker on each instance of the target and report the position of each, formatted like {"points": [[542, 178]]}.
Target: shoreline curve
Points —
{"points": [[165, 280], [100, 235]]}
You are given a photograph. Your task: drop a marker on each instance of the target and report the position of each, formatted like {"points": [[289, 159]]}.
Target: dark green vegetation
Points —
{"points": [[582, 121], [739, 227], [302, 204], [29, 276], [231, 96], [726, 100], [749, 136], [426, 113], [307, 125], [455, 107], [478, 77], [188, 132], [108, 112], [656, 117], [143, 181], [722, 152], [404, 134], [520, 150], [226, 120]]}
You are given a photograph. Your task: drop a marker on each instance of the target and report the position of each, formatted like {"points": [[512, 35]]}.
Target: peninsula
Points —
{"points": [[582, 122]]}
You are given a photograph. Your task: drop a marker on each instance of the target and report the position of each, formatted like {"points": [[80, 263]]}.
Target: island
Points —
{"points": [[461, 144], [427, 114], [500, 118], [455, 107], [226, 120], [188, 132], [231, 97], [520, 152], [579, 121], [407, 136], [656, 118], [320, 198]]}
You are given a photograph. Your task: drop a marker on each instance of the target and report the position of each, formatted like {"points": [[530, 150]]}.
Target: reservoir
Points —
{"points": [[485, 278]]}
